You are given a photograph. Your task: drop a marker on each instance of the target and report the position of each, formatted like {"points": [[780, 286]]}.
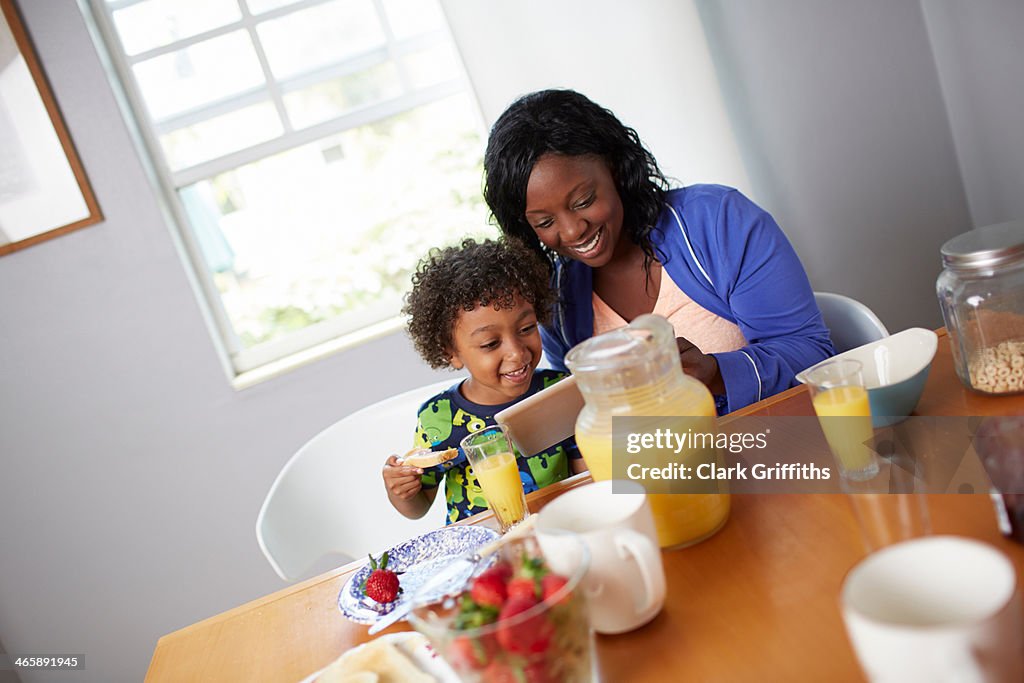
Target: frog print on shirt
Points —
{"points": [[434, 424]]}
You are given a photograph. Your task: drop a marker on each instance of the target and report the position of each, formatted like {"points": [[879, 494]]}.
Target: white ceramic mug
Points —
{"points": [[934, 609], [625, 585]]}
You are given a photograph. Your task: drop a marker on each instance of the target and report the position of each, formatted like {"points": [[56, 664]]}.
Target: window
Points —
{"points": [[312, 150]]}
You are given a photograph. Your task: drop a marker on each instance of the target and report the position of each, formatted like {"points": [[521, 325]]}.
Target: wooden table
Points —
{"points": [[757, 601]]}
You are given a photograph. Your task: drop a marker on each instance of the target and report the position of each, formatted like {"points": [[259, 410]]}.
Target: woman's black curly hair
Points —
{"points": [[454, 279], [566, 122]]}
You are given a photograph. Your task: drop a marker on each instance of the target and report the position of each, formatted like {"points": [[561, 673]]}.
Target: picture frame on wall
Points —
{"points": [[44, 192]]}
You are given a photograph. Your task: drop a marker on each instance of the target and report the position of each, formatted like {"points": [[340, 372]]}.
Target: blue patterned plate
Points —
{"points": [[419, 559]]}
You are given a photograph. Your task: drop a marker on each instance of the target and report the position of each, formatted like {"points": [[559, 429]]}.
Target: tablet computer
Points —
{"points": [[544, 419]]}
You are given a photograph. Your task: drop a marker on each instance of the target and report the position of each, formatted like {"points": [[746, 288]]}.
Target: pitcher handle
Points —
{"points": [[648, 558]]}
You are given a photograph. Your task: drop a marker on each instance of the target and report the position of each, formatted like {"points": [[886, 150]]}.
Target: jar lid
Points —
{"points": [[987, 247]]}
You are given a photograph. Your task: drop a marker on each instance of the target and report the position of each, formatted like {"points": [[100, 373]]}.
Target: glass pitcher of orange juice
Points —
{"points": [[635, 371]]}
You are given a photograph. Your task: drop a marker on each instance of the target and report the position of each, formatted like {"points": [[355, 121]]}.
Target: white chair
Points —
{"points": [[850, 322], [329, 499]]}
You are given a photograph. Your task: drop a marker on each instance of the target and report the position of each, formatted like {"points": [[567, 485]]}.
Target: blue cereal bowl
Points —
{"points": [[895, 370]]}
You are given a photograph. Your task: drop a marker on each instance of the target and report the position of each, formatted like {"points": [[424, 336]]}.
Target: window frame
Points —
{"points": [[247, 366]]}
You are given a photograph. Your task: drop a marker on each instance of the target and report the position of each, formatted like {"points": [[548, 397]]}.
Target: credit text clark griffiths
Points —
{"points": [[711, 471]]}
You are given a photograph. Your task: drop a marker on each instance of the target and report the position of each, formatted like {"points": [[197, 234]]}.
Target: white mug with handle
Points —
{"points": [[625, 584]]}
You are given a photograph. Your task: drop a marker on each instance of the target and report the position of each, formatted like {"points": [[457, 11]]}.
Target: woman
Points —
{"points": [[567, 177]]}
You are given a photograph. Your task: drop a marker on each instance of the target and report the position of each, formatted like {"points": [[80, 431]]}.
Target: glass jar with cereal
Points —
{"points": [[981, 291]]}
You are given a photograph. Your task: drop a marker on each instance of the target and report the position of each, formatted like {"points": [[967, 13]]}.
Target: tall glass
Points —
{"points": [[493, 460], [999, 442], [888, 518], [841, 402]]}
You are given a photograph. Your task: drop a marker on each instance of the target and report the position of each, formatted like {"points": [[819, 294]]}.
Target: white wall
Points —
{"points": [[844, 132], [979, 50], [645, 60], [131, 474]]}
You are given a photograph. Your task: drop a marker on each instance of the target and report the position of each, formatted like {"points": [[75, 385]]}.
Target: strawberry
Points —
{"points": [[502, 569], [537, 672], [500, 672], [521, 587], [489, 589], [470, 653], [529, 636], [382, 584], [552, 584]]}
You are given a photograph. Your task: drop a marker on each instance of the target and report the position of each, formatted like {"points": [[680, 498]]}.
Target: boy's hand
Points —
{"points": [[402, 483]]}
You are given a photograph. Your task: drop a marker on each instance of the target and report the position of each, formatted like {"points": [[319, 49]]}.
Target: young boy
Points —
{"points": [[477, 307]]}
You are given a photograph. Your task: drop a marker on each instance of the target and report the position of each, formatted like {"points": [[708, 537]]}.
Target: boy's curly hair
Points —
{"points": [[454, 279]]}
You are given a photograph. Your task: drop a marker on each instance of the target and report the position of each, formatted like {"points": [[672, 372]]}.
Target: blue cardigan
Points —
{"points": [[729, 256]]}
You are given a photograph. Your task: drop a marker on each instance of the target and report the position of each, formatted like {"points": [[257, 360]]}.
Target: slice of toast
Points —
{"points": [[381, 657], [424, 457]]}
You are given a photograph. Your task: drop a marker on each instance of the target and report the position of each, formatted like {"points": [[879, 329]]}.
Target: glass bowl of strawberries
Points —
{"points": [[515, 621]]}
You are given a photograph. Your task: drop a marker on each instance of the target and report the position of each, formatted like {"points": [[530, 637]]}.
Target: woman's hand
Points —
{"points": [[402, 483], [701, 366]]}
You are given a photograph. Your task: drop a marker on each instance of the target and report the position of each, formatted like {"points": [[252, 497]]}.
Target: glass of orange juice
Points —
{"points": [[841, 402], [493, 460]]}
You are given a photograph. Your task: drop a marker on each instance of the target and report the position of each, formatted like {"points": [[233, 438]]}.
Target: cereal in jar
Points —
{"points": [[981, 291]]}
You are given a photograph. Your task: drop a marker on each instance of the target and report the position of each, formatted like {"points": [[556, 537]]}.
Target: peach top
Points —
{"points": [[707, 331]]}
